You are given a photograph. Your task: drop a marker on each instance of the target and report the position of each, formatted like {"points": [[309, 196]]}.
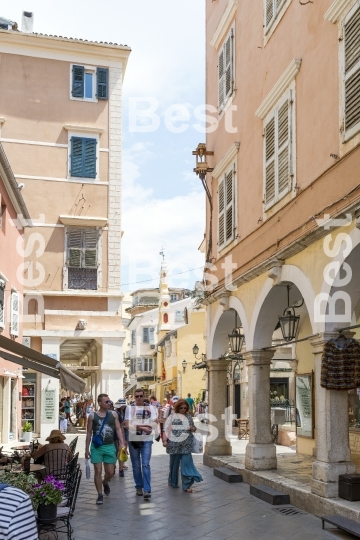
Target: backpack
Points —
{"points": [[3, 486]]}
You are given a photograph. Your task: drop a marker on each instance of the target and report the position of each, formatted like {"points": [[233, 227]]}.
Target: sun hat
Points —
{"points": [[120, 403], [56, 434], [175, 399]]}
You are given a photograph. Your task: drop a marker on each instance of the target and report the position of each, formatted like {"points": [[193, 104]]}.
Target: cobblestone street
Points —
{"points": [[215, 510]]}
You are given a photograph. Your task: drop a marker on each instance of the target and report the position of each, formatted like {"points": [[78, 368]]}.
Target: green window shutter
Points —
{"points": [[89, 161], [221, 232], [145, 335], [284, 149], [78, 74], [352, 73], [74, 248], [76, 156], [270, 161], [90, 243], [102, 83]]}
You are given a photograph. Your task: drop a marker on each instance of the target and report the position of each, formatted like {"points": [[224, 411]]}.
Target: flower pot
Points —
{"points": [[26, 436], [47, 512]]}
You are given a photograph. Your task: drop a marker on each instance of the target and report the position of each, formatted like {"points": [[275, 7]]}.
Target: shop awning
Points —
{"points": [[25, 356]]}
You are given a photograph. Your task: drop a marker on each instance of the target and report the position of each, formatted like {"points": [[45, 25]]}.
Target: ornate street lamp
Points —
{"points": [[158, 380], [289, 322], [236, 338], [184, 365], [201, 170]]}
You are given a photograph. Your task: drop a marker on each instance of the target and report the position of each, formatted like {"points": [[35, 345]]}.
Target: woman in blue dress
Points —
{"points": [[178, 440]]}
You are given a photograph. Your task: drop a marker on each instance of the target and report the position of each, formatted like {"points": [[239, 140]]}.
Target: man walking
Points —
{"points": [[141, 422], [101, 428], [190, 401]]}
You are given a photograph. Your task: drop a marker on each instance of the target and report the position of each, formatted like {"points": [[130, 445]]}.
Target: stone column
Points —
{"points": [[332, 431], [217, 405], [51, 347], [260, 451]]}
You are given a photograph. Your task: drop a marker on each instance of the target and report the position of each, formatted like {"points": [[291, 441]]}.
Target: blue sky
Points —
{"points": [[163, 204]]}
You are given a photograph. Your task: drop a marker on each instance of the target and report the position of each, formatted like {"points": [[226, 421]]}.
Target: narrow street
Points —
{"points": [[216, 509]]}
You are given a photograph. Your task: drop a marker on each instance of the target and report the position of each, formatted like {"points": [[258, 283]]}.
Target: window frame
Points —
{"points": [[347, 135], [83, 135], [14, 313], [277, 15], [87, 69], [230, 169], [288, 95]]}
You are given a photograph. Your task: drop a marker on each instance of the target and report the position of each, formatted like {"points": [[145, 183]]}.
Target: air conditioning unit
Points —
{"points": [[152, 346]]}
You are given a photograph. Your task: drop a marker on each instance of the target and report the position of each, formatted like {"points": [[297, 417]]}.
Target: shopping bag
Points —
{"points": [[87, 469], [123, 455], [198, 444]]}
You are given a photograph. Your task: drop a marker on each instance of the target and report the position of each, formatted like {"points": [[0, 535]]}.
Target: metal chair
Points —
{"points": [[72, 445], [65, 513], [56, 461]]}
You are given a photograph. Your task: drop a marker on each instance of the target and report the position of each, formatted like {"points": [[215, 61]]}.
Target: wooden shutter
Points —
{"points": [[352, 71], [90, 245], [145, 335], [269, 15], [270, 161], [14, 316], [139, 364], [102, 76], [284, 137], [78, 74], [221, 233], [222, 75], [74, 248], [151, 364], [76, 156], [152, 335], [133, 337], [229, 210], [2, 304], [89, 152], [228, 66]]}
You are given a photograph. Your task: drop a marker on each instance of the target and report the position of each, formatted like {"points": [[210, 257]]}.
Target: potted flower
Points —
{"points": [[46, 496], [26, 434]]}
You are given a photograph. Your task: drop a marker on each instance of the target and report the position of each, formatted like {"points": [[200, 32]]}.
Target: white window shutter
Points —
{"points": [[145, 335], [74, 248], [284, 147], [90, 241], [269, 12], [14, 316], [229, 66], [139, 364], [352, 73], [221, 194], [152, 335], [270, 161], [229, 206], [222, 76], [133, 337]]}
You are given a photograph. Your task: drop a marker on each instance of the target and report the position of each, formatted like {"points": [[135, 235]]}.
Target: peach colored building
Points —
{"points": [[11, 296], [284, 78], [60, 108]]}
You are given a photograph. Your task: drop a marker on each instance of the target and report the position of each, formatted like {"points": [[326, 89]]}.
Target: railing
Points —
{"points": [[82, 278], [289, 406]]}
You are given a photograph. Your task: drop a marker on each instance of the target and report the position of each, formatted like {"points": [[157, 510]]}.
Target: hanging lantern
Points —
{"points": [[289, 322], [236, 340]]}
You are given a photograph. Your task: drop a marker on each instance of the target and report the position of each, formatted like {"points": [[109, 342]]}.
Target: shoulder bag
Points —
{"points": [[97, 440]]}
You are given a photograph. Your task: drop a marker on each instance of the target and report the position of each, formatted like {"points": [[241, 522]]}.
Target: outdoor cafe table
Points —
{"points": [[22, 448]]}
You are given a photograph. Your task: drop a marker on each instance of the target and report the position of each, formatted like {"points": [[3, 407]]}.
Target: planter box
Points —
{"points": [[26, 436]]}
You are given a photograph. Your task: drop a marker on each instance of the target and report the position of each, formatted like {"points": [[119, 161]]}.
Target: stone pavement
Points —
{"points": [[216, 510]]}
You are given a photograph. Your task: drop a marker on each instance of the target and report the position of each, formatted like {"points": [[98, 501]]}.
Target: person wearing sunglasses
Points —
{"points": [[102, 425], [140, 420]]}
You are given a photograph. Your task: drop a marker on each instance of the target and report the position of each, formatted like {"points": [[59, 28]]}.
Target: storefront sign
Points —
{"points": [[48, 408]]}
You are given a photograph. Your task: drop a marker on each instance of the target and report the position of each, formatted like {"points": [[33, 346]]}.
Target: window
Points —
{"points": [[89, 83], [226, 197], [82, 258], [144, 364], [14, 314], [352, 72], [83, 157], [272, 9], [133, 338], [226, 70], [174, 297], [139, 364], [179, 316], [2, 303], [148, 335], [278, 152]]}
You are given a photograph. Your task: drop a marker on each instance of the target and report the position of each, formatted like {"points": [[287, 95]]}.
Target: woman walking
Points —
{"points": [[179, 429], [120, 408]]}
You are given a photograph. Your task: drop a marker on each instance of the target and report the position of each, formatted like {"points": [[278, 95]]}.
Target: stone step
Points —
{"points": [[269, 494], [227, 475]]}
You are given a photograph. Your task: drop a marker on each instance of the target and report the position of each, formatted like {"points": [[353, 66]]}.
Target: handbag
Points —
{"points": [[198, 445], [97, 440]]}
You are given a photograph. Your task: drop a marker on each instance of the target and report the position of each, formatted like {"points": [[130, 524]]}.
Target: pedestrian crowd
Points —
{"points": [[122, 429]]}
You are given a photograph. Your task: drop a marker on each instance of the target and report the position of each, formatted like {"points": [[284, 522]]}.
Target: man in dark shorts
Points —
{"points": [[106, 453]]}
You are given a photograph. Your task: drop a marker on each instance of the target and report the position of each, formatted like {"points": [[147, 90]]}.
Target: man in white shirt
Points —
{"points": [[17, 518], [140, 420]]}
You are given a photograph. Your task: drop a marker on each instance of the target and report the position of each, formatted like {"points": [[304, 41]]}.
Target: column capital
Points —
{"points": [[319, 341], [218, 364], [259, 357]]}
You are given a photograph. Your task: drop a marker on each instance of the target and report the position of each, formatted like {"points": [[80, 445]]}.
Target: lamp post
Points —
{"points": [[201, 170], [289, 322], [184, 365]]}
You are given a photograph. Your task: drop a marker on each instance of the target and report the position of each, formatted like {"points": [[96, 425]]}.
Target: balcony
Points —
{"points": [[82, 278]]}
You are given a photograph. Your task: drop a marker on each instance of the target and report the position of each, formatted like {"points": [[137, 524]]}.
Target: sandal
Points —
{"points": [[188, 490]]}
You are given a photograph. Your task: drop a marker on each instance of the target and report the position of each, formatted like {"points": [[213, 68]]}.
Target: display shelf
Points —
{"points": [[28, 404]]}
